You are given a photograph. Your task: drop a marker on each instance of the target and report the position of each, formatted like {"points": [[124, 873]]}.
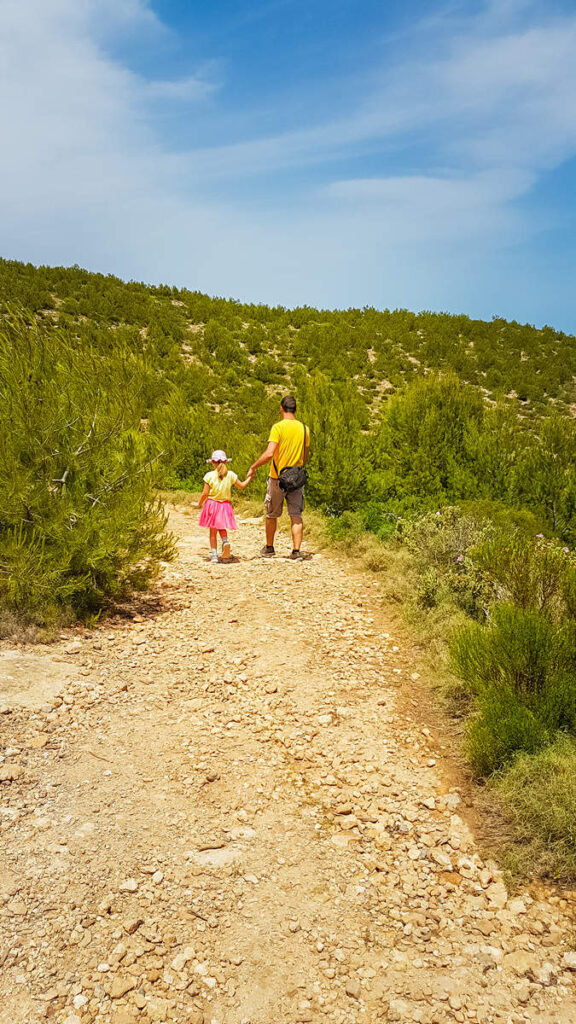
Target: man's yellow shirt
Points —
{"points": [[289, 436]]}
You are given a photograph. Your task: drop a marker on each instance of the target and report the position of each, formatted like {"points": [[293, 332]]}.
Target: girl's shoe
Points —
{"points": [[226, 549], [213, 556]]}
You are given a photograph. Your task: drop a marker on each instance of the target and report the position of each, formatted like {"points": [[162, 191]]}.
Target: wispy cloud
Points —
{"points": [[493, 99], [458, 132], [192, 88]]}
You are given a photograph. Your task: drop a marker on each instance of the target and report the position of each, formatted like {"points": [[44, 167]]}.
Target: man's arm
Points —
{"points": [[266, 456]]}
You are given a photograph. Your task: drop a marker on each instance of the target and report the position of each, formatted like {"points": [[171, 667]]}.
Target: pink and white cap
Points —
{"points": [[218, 456]]}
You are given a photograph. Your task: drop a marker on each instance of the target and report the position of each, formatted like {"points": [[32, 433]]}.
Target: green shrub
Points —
{"points": [[503, 517], [423, 442], [503, 727], [78, 523], [427, 589], [520, 649], [539, 794], [522, 669], [371, 516], [442, 537], [529, 571], [440, 542]]}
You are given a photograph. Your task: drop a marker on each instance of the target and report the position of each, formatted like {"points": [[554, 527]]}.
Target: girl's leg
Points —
{"points": [[225, 544], [213, 545]]}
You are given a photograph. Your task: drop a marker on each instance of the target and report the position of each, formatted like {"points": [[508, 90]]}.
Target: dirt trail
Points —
{"points": [[223, 818]]}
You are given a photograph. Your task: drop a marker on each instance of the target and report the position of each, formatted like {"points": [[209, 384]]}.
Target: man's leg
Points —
{"points": [[271, 525], [297, 530], [295, 503], [273, 505]]}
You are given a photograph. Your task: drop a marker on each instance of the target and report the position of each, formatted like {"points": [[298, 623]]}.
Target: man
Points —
{"points": [[288, 445]]}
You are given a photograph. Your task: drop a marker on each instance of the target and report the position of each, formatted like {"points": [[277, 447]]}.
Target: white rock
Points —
{"points": [[398, 1010], [546, 974], [441, 859], [452, 801], [497, 895], [493, 954], [517, 906], [129, 885]]}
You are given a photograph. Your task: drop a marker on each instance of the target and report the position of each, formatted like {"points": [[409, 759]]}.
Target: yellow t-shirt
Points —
{"points": [[220, 489], [289, 435]]}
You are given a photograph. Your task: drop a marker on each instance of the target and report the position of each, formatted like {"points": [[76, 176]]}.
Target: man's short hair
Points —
{"points": [[288, 403]]}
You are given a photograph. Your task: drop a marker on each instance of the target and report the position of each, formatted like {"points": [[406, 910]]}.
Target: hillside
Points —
{"points": [[208, 373], [443, 459], [226, 346]]}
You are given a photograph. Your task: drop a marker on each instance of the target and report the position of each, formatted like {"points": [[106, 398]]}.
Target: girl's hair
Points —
{"points": [[221, 469]]}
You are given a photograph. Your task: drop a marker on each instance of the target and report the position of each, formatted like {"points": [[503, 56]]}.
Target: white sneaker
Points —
{"points": [[213, 556]]}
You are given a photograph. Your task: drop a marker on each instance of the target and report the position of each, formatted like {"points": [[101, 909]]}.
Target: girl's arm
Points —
{"points": [[203, 496], [243, 483]]}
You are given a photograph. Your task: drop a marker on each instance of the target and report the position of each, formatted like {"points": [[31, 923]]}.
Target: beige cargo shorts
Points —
{"points": [[275, 498]]}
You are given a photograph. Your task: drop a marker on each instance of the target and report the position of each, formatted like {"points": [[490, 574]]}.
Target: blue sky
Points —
{"points": [[396, 154]]}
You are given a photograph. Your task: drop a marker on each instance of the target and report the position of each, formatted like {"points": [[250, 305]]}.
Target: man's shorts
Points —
{"points": [[275, 497]]}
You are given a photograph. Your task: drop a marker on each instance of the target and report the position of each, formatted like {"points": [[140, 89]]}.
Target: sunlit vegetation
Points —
{"points": [[441, 444]]}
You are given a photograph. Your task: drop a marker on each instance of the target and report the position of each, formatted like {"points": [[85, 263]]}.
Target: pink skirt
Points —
{"points": [[217, 515]]}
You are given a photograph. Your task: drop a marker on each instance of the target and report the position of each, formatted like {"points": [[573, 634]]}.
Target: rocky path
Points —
{"points": [[226, 815]]}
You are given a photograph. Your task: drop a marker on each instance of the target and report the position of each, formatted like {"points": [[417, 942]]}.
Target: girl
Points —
{"points": [[217, 512]]}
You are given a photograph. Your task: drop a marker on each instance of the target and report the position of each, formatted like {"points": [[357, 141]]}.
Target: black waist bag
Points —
{"points": [[292, 478]]}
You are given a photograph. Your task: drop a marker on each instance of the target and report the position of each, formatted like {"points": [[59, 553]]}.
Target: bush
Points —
{"points": [[539, 793], [424, 440], [440, 542], [427, 589], [372, 516], [442, 537], [188, 435], [522, 668], [531, 572], [78, 523], [518, 649], [504, 727]]}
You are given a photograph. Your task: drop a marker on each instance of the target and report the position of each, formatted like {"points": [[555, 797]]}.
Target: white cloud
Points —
{"points": [[85, 179], [192, 87], [419, 208], [505, 99]]}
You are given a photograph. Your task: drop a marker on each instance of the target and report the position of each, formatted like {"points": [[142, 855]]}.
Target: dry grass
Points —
{"points": [[539, 796]]}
